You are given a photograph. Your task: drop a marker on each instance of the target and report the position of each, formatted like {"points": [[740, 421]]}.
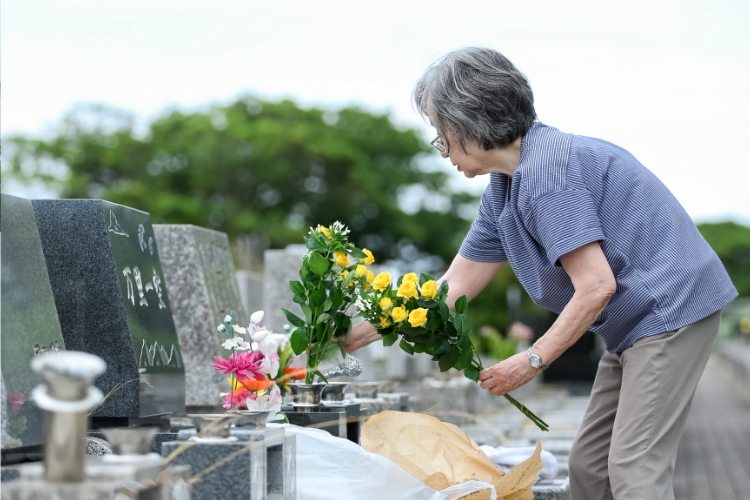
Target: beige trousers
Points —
{"points": [[627, 444]]}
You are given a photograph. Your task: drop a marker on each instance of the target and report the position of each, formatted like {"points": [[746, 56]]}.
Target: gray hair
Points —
{"points": [[479, 95]]}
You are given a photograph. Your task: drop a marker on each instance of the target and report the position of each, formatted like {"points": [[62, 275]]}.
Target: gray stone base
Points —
{"points": [[330, 419]]}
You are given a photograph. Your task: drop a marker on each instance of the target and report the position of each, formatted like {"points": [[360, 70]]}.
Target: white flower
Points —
{"points": [[222, 329], [281, 340], [260, 335], [271, 400], [232, 343], [244, 346], [257, 317], [228, 318], [239, 329]]}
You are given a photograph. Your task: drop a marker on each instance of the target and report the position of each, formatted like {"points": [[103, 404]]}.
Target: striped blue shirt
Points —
{"points": [[571, 190]]}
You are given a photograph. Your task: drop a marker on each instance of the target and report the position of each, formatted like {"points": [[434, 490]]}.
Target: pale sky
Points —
{"points": [[667, 80]]}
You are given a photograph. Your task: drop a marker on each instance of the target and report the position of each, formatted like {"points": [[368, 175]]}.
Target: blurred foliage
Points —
{"points": [[256, 167], [731, 242]]}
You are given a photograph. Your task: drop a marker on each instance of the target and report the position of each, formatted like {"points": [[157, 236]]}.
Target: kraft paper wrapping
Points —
{"points": [[440, 455]]}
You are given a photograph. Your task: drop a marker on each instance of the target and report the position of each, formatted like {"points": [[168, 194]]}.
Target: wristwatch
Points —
{"points": [[535, 361]]}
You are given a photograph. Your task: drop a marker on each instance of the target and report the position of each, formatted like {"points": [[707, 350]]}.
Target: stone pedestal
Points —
{"points": [[354, 413], [251, 290], [329, 419], [156, 440], [557, 489], [259, 464], [281, 267], [142, 477]]}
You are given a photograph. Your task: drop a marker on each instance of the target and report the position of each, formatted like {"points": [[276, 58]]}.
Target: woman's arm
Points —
{"points": [[594, 285], [464, 277]]}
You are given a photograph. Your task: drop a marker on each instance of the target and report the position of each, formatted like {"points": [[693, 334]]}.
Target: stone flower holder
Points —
{"points": [[366, 390], [252, 419], [335, 391], [307, 396]]}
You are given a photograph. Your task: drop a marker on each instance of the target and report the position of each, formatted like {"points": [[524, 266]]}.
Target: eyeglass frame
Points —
{"points": [[437, 143]]}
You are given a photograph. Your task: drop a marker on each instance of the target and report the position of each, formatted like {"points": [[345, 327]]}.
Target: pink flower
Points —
{"points": [[243, 364], [16, 401], [238, 399]]}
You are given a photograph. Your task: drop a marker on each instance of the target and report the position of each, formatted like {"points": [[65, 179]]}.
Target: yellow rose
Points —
{"points": [[429, 289], [410, 278], [344, 273], [369, 259], [399, 314], [341, 259], [382, 281], [384, 322], [386, 303], [361, 270], [418, 317], [325, 231], [370, 276], [407, 290]]}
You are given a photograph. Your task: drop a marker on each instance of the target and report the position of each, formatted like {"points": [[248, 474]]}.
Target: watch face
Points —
{"points": [[535, 361]]}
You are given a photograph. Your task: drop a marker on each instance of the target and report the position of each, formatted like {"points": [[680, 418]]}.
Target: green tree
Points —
{"points": [[256, 167], [731, 242]]}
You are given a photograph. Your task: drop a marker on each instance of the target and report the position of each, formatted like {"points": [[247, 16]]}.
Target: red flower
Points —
{"points": [[245, 365]]}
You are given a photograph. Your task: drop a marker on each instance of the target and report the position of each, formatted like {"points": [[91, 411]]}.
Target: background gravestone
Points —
{"points": [[281, 267], [200, 277], [251, 290], [111, 300], [28, 323]]}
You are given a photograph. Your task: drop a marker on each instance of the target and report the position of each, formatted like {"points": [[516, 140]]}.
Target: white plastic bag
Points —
{"points": [[507, 458], [330, 468]]}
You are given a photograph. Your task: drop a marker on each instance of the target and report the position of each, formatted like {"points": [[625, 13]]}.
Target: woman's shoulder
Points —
{"points": [[545, 152]]}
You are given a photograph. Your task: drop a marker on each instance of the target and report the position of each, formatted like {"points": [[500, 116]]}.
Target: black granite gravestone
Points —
{"points": [[111, 301], [29, 324]]}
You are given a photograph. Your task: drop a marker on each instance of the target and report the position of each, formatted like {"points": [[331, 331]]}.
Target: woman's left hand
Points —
{"points": [[508, 375]]}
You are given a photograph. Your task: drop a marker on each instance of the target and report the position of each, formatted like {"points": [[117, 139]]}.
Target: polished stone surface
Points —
{"points": [[111, 300], [29, 322], [332, 420], [203, 289]]}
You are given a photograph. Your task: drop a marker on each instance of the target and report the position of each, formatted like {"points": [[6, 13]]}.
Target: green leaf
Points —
{"points": [[319, 264], [300, 299], [449, 359], [17, 426], [461, 304], [327, 304], [389, 338], [297, 288], [308, 312], [433, 321], [442, 348], [322, 377], [420, 347], [424, 278], [342, 348], [357, 253], [299, 341], [328, 351], [444, 311], [461, 323], [465, 359], [322, 318], [294, 319], [314, 245], [317, 297], [406, 347], [443, 291], [337, 299], [472, 374]]}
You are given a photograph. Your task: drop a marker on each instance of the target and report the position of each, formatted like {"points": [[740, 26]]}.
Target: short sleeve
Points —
{"points": [[565, 220], [483, 243]]}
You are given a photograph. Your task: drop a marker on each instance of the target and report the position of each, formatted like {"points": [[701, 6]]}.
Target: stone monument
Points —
{"points": [[200, 277], [108, 284], [281, 267], [29, 325]]}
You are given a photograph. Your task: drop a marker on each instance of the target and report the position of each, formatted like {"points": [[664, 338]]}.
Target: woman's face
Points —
{"points": [[472, 160]]}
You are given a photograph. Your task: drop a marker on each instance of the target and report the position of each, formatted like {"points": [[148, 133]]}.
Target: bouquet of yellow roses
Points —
{"points": [[416, 311]]}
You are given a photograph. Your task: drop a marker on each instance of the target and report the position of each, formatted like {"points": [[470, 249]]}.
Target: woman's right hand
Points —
{"points": [[361, 335]]}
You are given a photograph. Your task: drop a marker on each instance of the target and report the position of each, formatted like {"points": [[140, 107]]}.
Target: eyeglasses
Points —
{"points": [[437, 142]]}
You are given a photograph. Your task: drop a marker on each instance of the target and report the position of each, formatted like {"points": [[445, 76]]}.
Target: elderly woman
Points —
{"points": [[596, 237]]}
